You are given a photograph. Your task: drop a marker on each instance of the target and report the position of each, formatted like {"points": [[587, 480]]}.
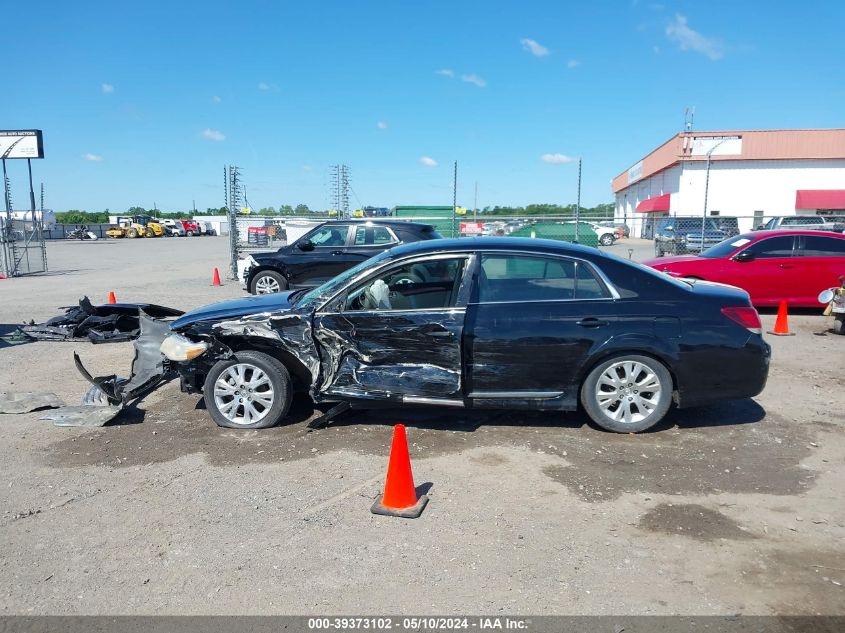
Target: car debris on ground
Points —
{"points": [[26, 401]]}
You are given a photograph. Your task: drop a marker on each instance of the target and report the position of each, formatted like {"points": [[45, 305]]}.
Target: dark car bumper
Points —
{"points": [[731, 374]]}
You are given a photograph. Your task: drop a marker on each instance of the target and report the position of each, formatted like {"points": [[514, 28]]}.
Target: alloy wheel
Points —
{"points": [[265, 285], [243, 394], [628, 392]]}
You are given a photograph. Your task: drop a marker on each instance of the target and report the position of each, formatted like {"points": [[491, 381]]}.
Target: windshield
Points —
{"points": [[314, 296], [726, 247]]}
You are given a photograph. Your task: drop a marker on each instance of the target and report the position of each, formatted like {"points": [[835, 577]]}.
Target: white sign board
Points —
{"points": [[21, 144], [716, 145], [635, 173]]}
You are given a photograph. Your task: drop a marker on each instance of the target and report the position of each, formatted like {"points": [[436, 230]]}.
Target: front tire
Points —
{"points": [[190, 234], [251, 390], [606, 239], [839, 324], [267, 282], [628, 393]]}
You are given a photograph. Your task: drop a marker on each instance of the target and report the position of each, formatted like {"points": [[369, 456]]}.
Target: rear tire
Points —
{"points": [[190, 233], [627, 393], [149, 233], [658, 252], [251, 390], [268, 282]]}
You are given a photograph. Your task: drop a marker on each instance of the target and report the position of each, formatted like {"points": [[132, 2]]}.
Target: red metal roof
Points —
{"points": [[820, 199], [756, 145]]}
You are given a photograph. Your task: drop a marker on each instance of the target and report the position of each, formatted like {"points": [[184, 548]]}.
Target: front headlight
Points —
{"points": [[177, 347]]}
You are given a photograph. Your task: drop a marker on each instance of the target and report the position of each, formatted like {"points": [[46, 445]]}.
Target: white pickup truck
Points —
{"points": [[806, 222]]}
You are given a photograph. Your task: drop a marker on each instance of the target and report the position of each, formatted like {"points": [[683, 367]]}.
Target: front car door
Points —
{"points": [[531, 323], [325, 258], [771, 275], [397, 334]]}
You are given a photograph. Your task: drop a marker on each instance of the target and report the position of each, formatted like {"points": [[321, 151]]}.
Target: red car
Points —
{"points": [[191, 227], [772, 266]]}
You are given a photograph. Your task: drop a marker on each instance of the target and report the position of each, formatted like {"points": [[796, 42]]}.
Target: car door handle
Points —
{"points": [[592, 322], [436, 330], [337, 252]]}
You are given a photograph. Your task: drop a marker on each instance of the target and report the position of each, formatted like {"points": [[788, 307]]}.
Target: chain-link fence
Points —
{"points": [[22, 246], [689, 235]]}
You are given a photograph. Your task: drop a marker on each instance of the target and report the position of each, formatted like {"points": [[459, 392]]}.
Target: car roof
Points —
{"points": [[774, 232], [402, 223], [470, 244]]}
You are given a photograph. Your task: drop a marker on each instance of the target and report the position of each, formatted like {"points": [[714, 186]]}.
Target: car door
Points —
{"points": [[767, 269], [531, 322], [397, 334], [318, 255], [368, 239], [821, 261]]}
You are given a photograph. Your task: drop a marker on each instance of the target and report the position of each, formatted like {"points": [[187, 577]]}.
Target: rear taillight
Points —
{"points": [[746, 316]]}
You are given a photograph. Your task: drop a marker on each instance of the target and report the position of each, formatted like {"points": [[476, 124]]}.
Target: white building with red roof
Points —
{"points": [[749, 174]]}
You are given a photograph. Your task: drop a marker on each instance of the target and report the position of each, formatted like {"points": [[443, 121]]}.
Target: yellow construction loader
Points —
{"points": [[135, 226]]}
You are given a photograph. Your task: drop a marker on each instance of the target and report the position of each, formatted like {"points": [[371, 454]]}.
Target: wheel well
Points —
{"points": [[263, 268], [624, 352], [299, 373]]}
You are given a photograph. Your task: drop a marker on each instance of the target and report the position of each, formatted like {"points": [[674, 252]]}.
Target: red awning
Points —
{"points": [[660, 203], [820, 199]]}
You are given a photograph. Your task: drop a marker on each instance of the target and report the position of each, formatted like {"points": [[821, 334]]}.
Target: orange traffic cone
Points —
{"points": [[782, 322], [400, 496], [215, 281], [111, 297]]}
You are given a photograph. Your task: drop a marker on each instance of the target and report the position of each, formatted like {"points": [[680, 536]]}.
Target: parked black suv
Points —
{"points": [[682, 236], [328, 250]]}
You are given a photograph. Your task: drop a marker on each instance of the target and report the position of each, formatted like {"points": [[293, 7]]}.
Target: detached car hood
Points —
{"points": [[235, 308]]}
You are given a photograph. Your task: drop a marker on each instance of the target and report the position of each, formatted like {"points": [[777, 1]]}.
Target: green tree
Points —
{"points": [[302, 209]]}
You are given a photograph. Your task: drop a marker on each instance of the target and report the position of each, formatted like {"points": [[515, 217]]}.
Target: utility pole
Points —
{"points": [[454, 197], [707, 191], [578, 204]]}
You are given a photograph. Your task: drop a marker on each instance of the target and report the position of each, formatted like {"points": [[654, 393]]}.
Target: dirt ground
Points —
{"points": [[735, 508]]}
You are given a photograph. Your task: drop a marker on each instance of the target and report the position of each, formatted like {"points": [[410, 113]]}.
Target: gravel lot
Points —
{"points": [[735, 508]]}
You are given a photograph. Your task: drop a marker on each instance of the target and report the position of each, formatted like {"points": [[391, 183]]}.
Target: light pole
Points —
{"points": [[707, 190]]}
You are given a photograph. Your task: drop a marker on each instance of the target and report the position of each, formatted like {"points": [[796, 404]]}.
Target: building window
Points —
{"points": [[714, 213]]}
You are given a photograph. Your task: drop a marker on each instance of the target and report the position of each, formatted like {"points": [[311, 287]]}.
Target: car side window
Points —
{"points": [[820, 246], [505, 278], [780, 246], [373, 236], [419, 285], [334, 235]]}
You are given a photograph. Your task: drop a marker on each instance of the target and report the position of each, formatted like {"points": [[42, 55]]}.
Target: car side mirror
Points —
{"points": [[305, 245], [744, 256]]}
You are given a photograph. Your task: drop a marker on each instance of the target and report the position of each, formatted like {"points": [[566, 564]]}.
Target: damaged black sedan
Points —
{"points": [[477, 323]]}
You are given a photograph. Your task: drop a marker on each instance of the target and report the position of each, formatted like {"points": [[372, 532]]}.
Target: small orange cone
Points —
{"points": [[111, 297], [400, 496], [215, 281], [782, 322]]}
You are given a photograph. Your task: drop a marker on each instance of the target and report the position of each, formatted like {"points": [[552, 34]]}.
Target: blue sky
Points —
{"points": [[144, 103]]}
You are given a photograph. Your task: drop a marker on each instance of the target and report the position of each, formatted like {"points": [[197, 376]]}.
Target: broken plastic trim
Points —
{"points": [[148, 367]]}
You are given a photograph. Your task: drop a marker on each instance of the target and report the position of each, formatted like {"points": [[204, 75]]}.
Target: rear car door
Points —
{"points": [[821, 261], [531, 323], [325, 260], [368, 240], [397, 334]]}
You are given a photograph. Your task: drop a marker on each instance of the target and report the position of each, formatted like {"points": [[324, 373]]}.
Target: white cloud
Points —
{"points": [[307, 168], [213, 135], [216, 99], [107, 88], [534, 47], [474, 79], [92, 157], [446, 72], [263, 85], [381, 125], [556, 159], [428, 161], [690, 40], [573, 63]]}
